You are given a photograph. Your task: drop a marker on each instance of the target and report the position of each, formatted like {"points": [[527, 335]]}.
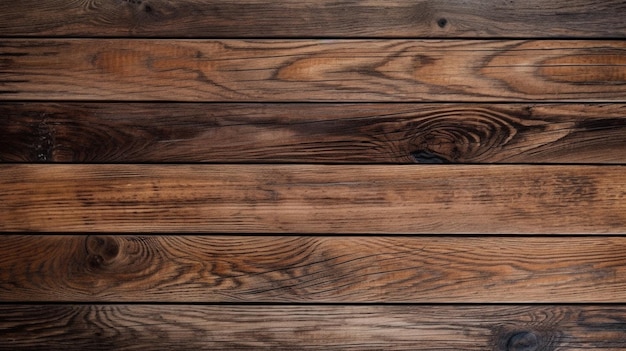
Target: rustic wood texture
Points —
{"points": [[313, 70], [411, 327], [314, 18], [313, 199], [213, 269], [312, 133], [177, 175]]}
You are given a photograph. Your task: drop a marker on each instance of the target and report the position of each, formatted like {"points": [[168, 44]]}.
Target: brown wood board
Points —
{"points": [[313, 70], [312, 133], [312, 269], [329, 199], [409, 327], [314, 18]]}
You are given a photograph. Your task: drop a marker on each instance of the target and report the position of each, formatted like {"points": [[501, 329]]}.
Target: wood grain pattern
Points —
{"points": [[312, 133], [288, 269], [314, 18], [313, 70], [313, 199], [128, 327], [262, 97]]}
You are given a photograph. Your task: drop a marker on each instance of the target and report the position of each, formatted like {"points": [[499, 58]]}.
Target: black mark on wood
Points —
{"points": [[523, 341], [423, 156]]}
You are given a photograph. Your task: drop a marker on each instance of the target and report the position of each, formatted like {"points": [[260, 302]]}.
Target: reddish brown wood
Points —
{"points": [[313, 199], [293, 269], [313, 70]]}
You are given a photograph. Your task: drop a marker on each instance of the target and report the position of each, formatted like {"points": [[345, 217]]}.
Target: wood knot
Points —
{"points": [[425, 156], [523, 341], [442, 22], [101, 250]]}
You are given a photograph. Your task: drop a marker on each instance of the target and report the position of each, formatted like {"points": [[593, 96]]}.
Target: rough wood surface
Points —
{"points": [[313, 199], [312, 133], [137, 327], [210, 269], [314, 18], [313, 70]]}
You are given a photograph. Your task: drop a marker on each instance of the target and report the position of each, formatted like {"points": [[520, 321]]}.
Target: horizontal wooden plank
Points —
{"points": [[314, 18], [201, 269], [313, 199], [313, 70], [151, 327], [312, 133]]}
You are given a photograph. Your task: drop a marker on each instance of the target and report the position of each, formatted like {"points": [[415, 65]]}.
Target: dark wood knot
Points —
{"points": [[101, 250], [425, 156], [523, 341]]}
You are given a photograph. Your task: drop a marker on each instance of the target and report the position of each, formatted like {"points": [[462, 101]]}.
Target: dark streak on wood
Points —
{"points": [[313, 133], [410, 327]]}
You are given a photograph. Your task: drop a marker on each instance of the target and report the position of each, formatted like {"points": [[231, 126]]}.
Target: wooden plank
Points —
{"points": [[410, 327], [313, 133], [201, 269], [313, 199], [313, 70], [314, 18]]}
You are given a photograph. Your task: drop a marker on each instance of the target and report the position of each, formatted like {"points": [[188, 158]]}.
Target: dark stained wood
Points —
{"points": [[222, 119], [201, 269], [411, 327], [313, 70], [313, 199], [314, 18], [313, 133]]}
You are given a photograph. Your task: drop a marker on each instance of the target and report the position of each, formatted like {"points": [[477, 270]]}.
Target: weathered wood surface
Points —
{"points": [[313, 70], [313, 199], [286, 269], [246, 84], [314, 18], [312, 133], [410, 327]]}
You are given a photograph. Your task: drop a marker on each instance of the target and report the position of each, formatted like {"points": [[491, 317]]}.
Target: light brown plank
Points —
{"points": [[314, 18], [313, 199], [313, 133], [313, 70], [128, 327], [201, 269]]}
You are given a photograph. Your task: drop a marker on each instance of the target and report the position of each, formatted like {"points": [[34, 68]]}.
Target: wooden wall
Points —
{"points": [[313, 174]]}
